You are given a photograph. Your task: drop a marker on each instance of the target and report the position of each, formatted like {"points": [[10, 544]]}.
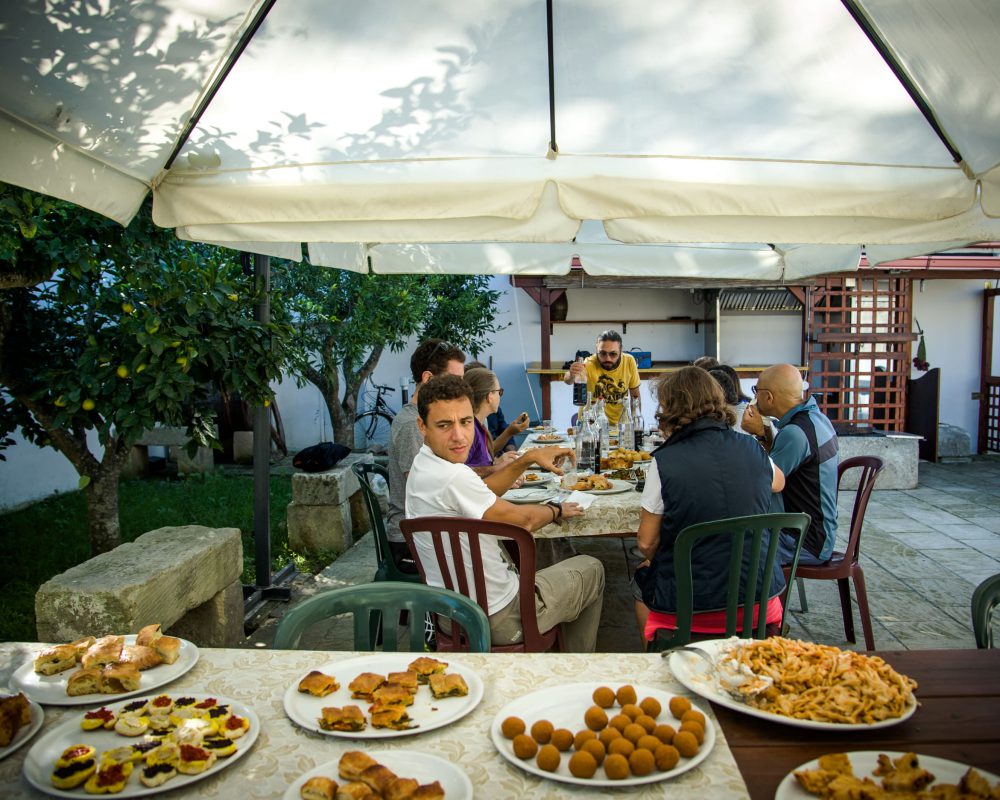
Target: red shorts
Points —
{"points": [[709, 621]]}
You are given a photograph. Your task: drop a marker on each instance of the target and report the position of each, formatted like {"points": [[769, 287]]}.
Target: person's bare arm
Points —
{"points": [[778, 480], [576, 368], [648, 537], [502, 478], [519, 425], [753, 422], [531, 517], [634, 392]]}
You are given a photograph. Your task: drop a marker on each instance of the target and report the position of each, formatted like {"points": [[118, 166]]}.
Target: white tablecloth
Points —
{"points": [[284, 752]]}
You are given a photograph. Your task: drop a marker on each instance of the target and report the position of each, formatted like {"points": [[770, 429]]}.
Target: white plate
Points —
{"points": [[542, 478], [29, 730], [564, 706], [51, 689], [406, 764], [41, 758], [544, 442], [426, 712], [530, 494], [690, 670], [617, 487], [864, 761]]}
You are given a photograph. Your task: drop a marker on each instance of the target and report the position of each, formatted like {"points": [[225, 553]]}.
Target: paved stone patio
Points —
{"points": [[924, 550]]}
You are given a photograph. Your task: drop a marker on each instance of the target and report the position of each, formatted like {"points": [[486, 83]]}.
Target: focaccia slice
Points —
{"points": [[353, 763], [106, 650], [318, 685], [348, 718], [393, 695], [143, 657], [425, 667], [55, 659], [363, 687], [451, 685], [429, 791], [393, 717], [408, 680]]}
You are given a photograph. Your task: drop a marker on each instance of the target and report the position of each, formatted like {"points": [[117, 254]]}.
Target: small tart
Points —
{"points": [[166, 753], [159, 722], [157, 774], [194, 759], [161, 704], [219, 745], [69, 776], [75, 754], [131, 725], [110, 778], [99, 718], [234, 727], [126, 754], [135, 707]]}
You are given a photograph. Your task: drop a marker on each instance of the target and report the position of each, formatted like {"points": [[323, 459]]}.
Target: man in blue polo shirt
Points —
{"points": [[804, 447]]}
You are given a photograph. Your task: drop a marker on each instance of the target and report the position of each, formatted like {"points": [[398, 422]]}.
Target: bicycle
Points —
{"points": [[374, 423]]}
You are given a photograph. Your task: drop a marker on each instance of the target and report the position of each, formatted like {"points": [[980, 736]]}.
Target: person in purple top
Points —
{"points": [[486, 392]]}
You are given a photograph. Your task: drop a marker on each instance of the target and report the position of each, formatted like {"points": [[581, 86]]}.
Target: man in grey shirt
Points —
{"points": [[431, 358]]}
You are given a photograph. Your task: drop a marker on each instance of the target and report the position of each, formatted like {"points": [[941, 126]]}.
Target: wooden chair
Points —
{"points": [[446, 534], [844, 566], [758, 578], [387, 599], [985, 598]]}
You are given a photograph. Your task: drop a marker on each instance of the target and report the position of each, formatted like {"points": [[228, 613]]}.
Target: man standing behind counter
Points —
{"points": [[610, 373], [804, 447]]}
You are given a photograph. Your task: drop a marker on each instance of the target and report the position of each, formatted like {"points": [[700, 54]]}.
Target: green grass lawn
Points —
{"points": [[51, 536]]}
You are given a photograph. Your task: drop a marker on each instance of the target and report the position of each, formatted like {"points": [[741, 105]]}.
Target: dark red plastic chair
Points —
{"points": [[844, 566], [451, 530]]}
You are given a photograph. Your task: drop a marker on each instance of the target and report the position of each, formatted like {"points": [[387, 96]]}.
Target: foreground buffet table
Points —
{"points": [[284, 751], [959, 718]]}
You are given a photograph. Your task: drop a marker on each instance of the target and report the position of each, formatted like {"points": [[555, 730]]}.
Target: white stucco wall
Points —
{"points": [[951, 314], [33, 473]]}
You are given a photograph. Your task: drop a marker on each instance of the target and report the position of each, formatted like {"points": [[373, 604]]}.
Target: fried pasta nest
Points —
{"points": [[825, 684], [902, 778]]}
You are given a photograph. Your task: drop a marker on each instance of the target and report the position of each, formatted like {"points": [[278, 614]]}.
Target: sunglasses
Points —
{"points": [[606, 354], [442, 346]]}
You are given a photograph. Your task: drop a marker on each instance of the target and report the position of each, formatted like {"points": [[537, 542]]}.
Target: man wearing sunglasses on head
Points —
{"points": [[610, 373], [803, 445]]}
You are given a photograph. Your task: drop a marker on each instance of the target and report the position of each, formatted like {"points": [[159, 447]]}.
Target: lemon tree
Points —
{"points": [[126, 328]]}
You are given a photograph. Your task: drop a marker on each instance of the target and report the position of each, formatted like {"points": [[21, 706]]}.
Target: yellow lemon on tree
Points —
{"points": [[182, 360], [175, 343], [122, 371], [233, 297], [140, 368], [266, 402], [128, 308], [60, 402], [88, 405]]}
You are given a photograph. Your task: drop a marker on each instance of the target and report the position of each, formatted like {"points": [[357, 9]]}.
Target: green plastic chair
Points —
{"points": [[387, 599], [387, 569], [755, 590], [985, 598]]}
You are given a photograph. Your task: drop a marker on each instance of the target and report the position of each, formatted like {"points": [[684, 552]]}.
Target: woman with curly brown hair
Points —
{"points": [[704, 471]]}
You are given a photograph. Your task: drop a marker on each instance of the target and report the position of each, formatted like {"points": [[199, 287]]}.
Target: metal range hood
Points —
{"points": [[766, 300]]}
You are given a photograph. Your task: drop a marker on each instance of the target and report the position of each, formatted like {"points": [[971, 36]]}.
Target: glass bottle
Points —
{"points": [[638, 423], [626, 429], [580, 386], [603, 434], [585, 446]]}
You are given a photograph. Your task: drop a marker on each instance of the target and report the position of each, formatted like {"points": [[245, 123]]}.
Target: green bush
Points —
{"points": [[51, 536]]}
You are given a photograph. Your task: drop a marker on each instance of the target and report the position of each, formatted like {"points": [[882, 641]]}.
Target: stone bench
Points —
{"points": [[327, 511], [175, 440], [185, 578], [899, 451]]}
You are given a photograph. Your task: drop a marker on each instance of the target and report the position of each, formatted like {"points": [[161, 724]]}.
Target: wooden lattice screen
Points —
{"points": [[991, 431], [859, 335]]}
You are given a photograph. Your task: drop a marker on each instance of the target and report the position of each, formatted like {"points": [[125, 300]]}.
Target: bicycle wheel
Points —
{"points": [[372, 427]]}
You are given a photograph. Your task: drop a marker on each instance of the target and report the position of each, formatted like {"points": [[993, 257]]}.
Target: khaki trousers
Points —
{"points": [[570, 593]]}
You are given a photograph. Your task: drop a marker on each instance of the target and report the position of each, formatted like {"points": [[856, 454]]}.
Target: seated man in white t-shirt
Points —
{"points": [[570, 592]]}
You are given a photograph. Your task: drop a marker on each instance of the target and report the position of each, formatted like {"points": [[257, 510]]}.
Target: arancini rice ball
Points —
{"points": [[582, 764], [695, 715], [678, 705], [651, 706], [616, 767], [633, 732], [596, 749], [621, 746], [641, 762], [595, 718], [525, 747], [686, 743], [666, 756], [695, 728], [582, 736], [665, 733], [625, 695], [548, 758], [609, 734], [632, 711], [512, 726], [604, 696], [541, 731], [648, 742], [562, 738]]}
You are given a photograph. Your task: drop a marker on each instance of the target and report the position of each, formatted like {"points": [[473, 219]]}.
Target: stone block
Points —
{"points": [[163, 436], [954, 443], [218, 622], [159, 577], [243, 447], [312, 529], [331, 487], [898, 451], [137, 464], [201, 461]]}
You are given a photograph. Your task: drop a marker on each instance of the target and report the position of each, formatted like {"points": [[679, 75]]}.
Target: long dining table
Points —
{"points": [[959, 718]]}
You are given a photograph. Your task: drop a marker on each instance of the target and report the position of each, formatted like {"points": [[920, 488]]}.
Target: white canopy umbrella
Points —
{"points": [[346, 129]]}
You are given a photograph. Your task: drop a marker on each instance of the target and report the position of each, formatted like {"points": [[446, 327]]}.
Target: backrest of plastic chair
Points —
{"points": [[387, 598], [453, 530], [870, 467], [387, 569], [758, 578], [985, 599]]}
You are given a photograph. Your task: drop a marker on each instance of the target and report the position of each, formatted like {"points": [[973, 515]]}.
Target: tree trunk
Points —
{"points": [[102, 511]]}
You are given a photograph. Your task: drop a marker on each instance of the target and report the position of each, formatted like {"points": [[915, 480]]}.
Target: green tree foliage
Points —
{"points": [[344, 321], [133, 328]]}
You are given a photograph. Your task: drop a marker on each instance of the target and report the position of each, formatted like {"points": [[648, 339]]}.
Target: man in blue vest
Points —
{"points": [[803, 445]]}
